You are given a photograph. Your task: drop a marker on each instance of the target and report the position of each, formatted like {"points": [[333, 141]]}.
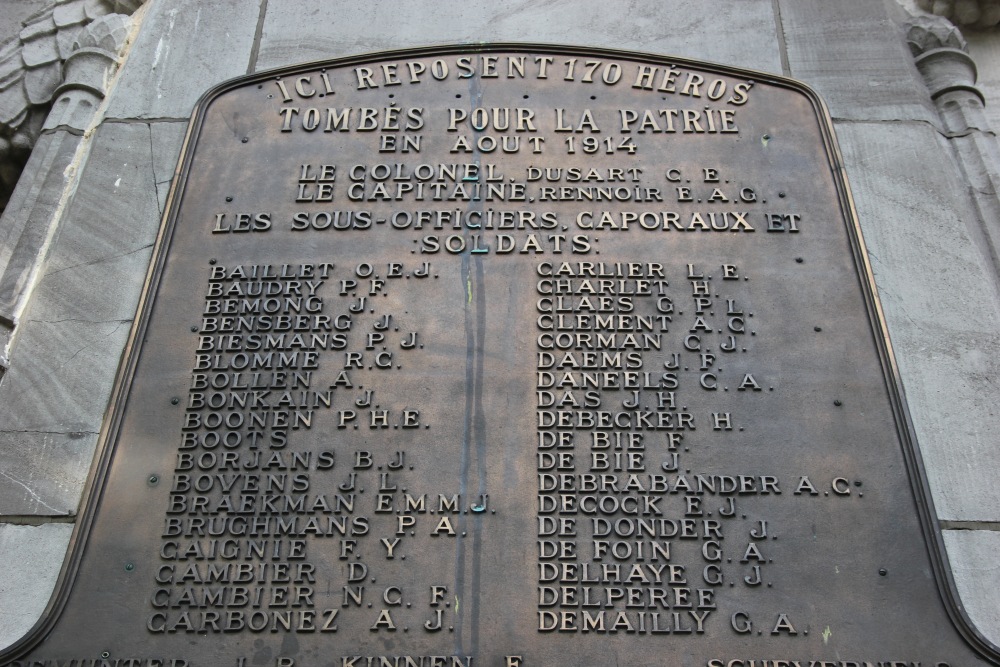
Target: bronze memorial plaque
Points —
{"points": [[507, 356]]}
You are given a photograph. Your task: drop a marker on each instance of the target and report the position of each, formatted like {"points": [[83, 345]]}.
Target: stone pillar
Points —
{"points": [[941, 56]]}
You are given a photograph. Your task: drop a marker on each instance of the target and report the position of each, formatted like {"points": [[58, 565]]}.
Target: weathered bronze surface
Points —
{"points": [[507, 355]]}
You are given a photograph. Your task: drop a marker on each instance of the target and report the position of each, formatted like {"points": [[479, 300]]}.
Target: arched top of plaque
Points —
{"points": [[594, 329]]}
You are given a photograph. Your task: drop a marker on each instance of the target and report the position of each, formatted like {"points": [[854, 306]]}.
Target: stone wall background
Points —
{"points": [[101, 192]]}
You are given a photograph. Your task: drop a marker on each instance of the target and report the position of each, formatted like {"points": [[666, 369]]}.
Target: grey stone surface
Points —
{"points": [[43, 474], [854, 55], [32, 556], [99, 290], [940, 305], [38, 25], [71, 336], [26, 221], [183, 49], [14, 12], [166, 142], [113, 205], [972, 14], [985, 50], [70, 14], [65, 38], [737, 32], [111, 219], [61, 383], [973, 556]]}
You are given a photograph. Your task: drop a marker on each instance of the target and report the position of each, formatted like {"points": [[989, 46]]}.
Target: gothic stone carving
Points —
{"points": [[34, 66]]}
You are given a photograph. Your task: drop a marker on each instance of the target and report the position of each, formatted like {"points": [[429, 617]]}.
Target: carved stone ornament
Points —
{"points": [[924, 33], [981, 14], [940, 53], [35, 67]]}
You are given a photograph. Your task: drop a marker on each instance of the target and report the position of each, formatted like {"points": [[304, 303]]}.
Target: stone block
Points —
{"points": [[32, 557], [985, 50], [101, 291], [25, 221], [855, 56], [977, 576], [72, 333], [937, 292], [62, 382], [43, 474], [181, 51], [114, 210], [732, 32]]}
